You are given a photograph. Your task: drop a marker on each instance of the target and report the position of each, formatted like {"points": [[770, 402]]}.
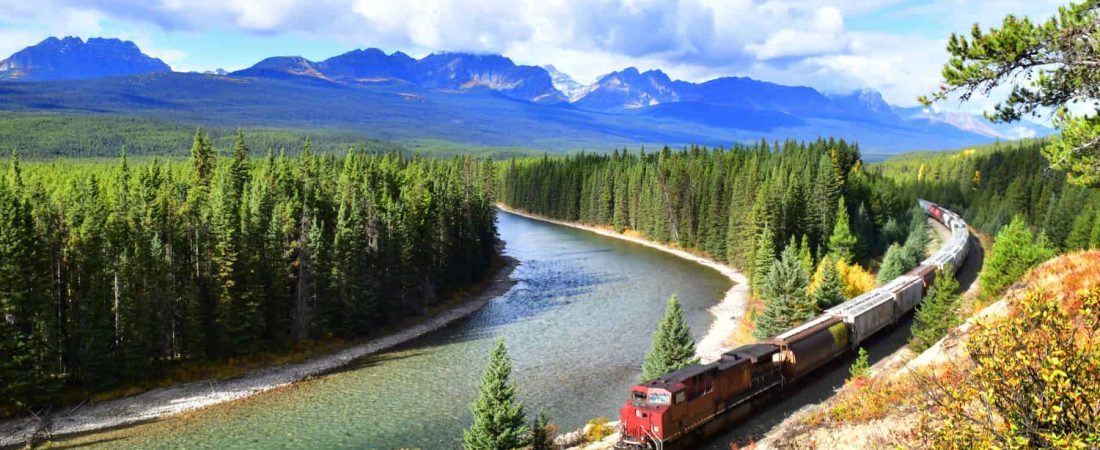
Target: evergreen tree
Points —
{"points": [[1015, 250], [1094, 236], [842, 242], [805, 255], [1049, 66], [786, 302], [1078, 238], [15, 172], [916, 243], [891, 232], [830, 291], [894, 264], [937, 313], [673, 346], [499, 422], [202, 160], [542, 433], [763, 258], [823, 209]]}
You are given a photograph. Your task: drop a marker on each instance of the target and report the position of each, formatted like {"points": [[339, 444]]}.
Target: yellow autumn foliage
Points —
{"points": [[857, 280], [1033, 380]]}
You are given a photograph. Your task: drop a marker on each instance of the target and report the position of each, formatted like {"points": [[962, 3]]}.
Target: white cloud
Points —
{"points": [[43, 21], [825, 34], [13, 40]]}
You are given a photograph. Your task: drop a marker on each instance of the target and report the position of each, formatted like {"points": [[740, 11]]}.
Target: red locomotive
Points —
{"points": [[690, 404], [683, 408]]}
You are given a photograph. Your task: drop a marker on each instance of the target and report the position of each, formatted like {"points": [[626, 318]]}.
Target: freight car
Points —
{"points": [[681, 409]]}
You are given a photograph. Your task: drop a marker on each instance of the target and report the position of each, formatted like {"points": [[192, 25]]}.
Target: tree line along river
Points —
{"points": [[577, 325]]}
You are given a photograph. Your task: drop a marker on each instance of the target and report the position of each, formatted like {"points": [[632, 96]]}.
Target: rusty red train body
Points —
{"points": [[683, 408]]}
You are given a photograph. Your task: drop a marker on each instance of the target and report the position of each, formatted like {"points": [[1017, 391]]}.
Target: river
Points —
{"points": [[577, 325]]}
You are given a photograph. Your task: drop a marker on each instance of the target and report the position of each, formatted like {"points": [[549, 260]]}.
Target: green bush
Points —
{"points": [[1014, 252], [861, 367], [598, 429], [938, 312]]}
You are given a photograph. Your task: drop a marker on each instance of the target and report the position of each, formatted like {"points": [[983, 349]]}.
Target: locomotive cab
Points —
{"points": [[644, 414]]}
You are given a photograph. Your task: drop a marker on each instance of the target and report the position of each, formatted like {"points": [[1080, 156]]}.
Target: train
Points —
{"points": [[684, 408]]}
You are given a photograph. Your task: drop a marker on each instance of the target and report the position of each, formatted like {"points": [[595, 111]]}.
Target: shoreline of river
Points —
{"points": [[169, 401], [727, 313]]}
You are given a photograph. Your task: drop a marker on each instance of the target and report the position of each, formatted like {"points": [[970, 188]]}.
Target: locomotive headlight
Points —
{"points": [[656, 429]]}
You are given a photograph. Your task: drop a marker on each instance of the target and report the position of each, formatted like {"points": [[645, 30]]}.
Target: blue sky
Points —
{"points": [[895, 47]]}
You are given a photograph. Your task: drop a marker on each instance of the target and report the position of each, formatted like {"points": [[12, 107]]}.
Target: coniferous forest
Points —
{"points": [[725, 203], [991, 185], [115, 271]]}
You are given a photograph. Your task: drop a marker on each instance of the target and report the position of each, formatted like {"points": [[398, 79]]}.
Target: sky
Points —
{"points": [[895, 47]]}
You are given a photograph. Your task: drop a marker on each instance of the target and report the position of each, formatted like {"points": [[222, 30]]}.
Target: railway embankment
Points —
{"points": [[890, 406], [164, 402]]}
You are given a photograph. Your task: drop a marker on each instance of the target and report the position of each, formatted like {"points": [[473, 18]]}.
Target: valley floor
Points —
{"points": [[164, 402]]}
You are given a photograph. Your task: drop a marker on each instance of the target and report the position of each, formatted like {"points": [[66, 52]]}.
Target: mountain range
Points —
{"points": [[484, 100]]}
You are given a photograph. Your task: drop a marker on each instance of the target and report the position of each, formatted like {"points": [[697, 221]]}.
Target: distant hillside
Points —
{"points": [[50, 135], [73, 59]]}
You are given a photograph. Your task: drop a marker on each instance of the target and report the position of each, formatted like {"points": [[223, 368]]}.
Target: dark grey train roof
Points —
{"points": [[670, 379], [755, 351]]}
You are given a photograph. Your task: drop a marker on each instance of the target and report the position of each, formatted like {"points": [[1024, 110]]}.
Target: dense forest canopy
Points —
{"points": [[112, 271], [717, 201], [990, 185]]}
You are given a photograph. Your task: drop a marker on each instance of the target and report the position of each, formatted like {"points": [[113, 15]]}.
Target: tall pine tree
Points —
{"points": [[763, 256], [786, 302], [499, 422], [673, 346], [842, 242], [542, 433], [830, 291]]}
